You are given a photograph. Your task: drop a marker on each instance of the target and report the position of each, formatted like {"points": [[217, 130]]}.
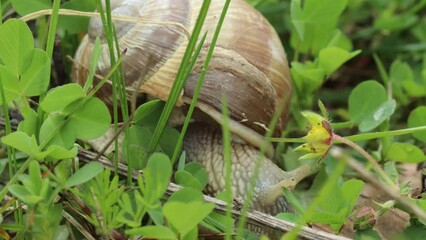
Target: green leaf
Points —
{"points": [[417, 118], [308, 76], [198, 171], [24, 195], [94, 59], [157, 177], [57, 152], [90, 121], [290, 217], [184, 217], [341, 41], [84, 174], [315, 23], [16, 43], [59, 97], [24, 7], [156, 215], [364, 100], [218, 223], [33, 80], [328, 217], [413, 231], [74, 24], [22, 142], [10, 84], [405, 152], [132, 208], [187, 195], [62, 232], [332, 58], [135, 146], [399, 73], [35, 182], [64, 136], [369, 234], [152, 232], [394, 22], [36, 77], [390, 170], [169, 140], [351, 190], [380, 114], [148, 113], [136, 143], [29, 124], [185, 179]]}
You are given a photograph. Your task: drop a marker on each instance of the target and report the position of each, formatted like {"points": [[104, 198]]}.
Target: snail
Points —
{"points": [[249, 65]]}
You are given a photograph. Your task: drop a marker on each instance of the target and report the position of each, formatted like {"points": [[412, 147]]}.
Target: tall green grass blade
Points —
{"points": [[383, 74], [180, 80], [49, 48], [52, 28], [200, 79], [96, 53], [10, 151], [228, 162], [374, 135], [193, 102], [109, 35], [121, 88]]}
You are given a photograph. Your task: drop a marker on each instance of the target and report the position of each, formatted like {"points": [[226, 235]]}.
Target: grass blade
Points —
{"points": [[228, 162], [52, 28], [193, 102], [180, 80]]}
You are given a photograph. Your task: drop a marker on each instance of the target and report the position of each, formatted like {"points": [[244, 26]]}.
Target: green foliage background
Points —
{"points": [[365, 60]]}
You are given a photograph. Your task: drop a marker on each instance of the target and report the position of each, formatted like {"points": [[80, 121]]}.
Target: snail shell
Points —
{"points": [[249, 64]]}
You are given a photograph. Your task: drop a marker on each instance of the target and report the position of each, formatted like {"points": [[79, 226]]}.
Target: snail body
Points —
{"points": [[248, 65]]}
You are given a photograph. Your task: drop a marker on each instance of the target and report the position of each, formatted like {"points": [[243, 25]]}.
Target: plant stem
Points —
{"points": [[410, 205], [373, 135], [359, 137], [52, 28], [340, 125], [373, 162], [228, 163], [179, 82]]}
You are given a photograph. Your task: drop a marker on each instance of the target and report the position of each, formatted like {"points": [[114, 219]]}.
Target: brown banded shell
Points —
{"points": [[249, 64]]}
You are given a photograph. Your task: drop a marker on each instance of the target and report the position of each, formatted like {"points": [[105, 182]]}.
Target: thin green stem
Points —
{"points": [[359, 137], [374, 135], [342, 125], [14, 178], [373, 162], [179, 81], [108, 30], [287, 140], [12, 165], [52, 28], [193, 101], [201, 77], [49, 49], [228, 162]]}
